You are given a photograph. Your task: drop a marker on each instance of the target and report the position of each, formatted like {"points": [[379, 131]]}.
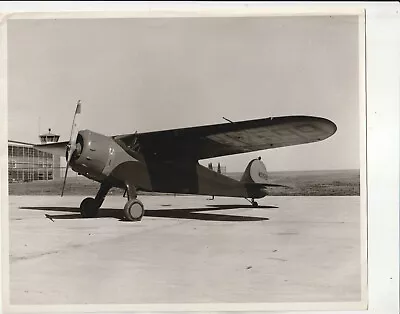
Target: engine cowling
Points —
{"points": [[93, 152]]}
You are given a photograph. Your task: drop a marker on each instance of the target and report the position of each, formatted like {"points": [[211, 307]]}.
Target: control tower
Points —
{"points": [[53, 162], [49, 138]]}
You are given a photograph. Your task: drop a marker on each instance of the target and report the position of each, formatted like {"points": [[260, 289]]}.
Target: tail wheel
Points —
{"points": [[254, 203], [89, 208], [134, 210]]}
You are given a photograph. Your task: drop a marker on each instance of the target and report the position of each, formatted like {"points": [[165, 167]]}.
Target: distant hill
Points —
{"points": [[307, 183]]}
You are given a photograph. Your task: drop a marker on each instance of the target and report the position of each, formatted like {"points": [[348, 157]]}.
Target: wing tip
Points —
{"points": [[329, 126]]}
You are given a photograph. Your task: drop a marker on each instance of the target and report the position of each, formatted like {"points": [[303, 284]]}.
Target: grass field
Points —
{"points": [[307, 183]]}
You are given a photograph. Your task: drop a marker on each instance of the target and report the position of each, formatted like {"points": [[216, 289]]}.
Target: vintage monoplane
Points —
{"points": [[168, 161]]}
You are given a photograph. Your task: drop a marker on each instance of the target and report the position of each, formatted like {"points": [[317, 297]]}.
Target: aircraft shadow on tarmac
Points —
{"points": [[177, 213]]}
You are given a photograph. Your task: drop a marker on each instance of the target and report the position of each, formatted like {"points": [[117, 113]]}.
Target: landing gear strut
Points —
{"points": [[133, 209], [252, 202], [90, 206]]}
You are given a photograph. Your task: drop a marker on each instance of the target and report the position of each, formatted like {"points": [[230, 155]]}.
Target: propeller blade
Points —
{"points": [[71, 147], [65, 178], [74, 129]]}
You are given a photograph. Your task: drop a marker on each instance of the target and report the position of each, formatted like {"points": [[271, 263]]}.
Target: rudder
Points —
{"points": [[255, 172]]}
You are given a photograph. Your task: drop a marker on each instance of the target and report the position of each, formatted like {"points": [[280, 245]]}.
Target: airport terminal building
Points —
{"points": [[26, 163]]}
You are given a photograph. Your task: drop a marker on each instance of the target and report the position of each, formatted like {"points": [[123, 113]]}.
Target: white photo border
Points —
{"points": [[382, 144]]}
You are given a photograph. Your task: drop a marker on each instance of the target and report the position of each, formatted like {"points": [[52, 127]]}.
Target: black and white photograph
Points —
{"points": [[189, 159]]}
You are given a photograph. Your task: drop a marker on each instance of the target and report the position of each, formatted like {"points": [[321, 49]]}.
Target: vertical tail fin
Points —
{"points": [[255, 172]]}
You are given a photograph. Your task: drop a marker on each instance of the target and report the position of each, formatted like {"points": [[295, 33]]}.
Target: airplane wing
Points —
{"points": [[211, 141]]}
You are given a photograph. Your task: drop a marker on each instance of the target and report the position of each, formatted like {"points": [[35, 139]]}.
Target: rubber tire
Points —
{"points": [[89, 208], [254, 204], [132, 216]]}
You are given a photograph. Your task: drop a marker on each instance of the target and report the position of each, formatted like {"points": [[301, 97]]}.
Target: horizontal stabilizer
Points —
{"points": [[256, 175], [269, 185]]}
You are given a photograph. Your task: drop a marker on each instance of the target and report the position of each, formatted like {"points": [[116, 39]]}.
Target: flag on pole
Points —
{"points": [[78, 108]]}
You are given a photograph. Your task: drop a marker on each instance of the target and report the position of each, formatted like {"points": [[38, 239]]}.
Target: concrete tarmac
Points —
{"points": [[187, 249]]}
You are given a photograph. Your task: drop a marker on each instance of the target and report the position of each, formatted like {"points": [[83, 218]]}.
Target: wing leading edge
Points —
{"points": [[217, 140]]}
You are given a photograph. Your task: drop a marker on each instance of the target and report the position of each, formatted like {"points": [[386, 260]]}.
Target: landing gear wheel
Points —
{"points": [[133, 210], [89, 208], [254, 203]]}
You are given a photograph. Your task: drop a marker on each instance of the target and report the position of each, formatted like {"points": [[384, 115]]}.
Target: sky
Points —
{"points": [[149, 74]]}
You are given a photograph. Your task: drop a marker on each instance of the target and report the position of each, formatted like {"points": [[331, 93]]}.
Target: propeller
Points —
{"points": [[71, 147]]}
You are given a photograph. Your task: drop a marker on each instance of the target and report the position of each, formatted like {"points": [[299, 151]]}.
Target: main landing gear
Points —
{"points": [[133, 209], [90, 206]]}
